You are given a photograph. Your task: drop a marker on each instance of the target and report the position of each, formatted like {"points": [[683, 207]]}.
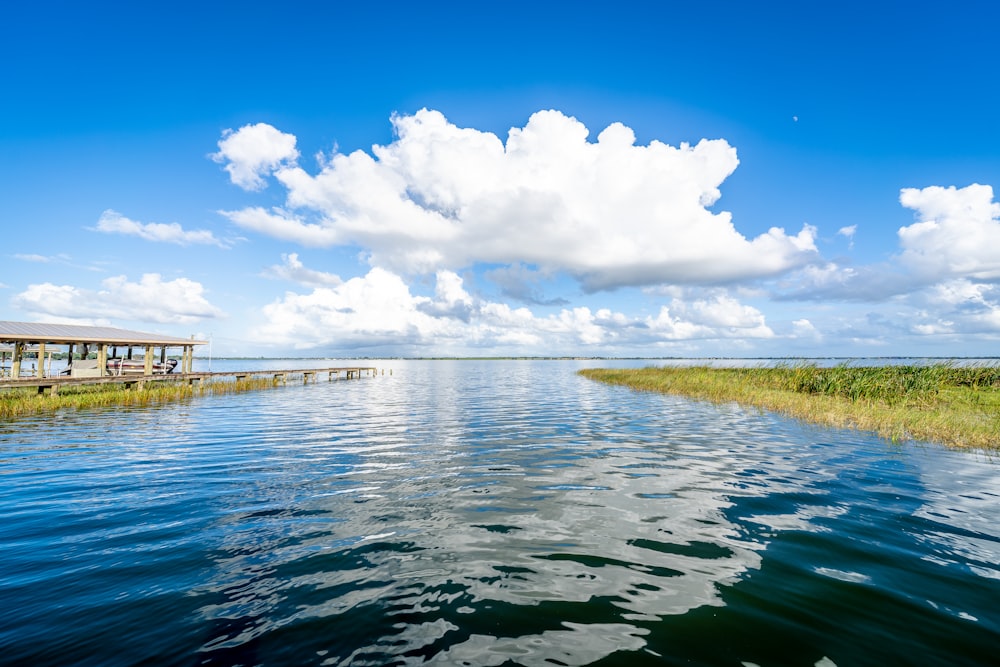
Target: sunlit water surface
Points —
{"points": [[487, 513]]}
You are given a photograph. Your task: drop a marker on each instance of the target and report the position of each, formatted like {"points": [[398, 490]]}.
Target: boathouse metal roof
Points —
{"points": [[34, 332]]}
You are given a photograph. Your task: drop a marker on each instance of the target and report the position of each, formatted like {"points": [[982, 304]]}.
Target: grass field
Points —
{"points": [[958, 406]]}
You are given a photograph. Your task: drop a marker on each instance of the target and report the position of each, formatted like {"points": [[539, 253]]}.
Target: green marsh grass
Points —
{"points": [[23, 401], [958, 406]]}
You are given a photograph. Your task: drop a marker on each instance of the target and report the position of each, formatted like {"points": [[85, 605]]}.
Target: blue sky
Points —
{"points": [[608, 179]]}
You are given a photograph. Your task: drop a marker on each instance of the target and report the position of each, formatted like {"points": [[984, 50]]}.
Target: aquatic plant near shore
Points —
{"points": [[24, 401], [955, 405]]}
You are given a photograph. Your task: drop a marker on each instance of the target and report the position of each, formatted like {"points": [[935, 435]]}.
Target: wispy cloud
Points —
{"points": [[292, 269], [848, 233], [61, 259], [40, 259], [113, 222]]}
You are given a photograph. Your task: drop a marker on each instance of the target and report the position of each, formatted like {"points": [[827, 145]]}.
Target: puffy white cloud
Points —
{"points": [[609, 213], [956, 237], [957, 233], [113, 222], [378, 310], [254, 151], [804, 329], [956, 306], [292, 269], [151, 300]]}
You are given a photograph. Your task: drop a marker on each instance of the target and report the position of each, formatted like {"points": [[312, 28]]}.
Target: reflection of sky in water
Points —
{"points": [[479, 495], [482, 512], [961, 505]]}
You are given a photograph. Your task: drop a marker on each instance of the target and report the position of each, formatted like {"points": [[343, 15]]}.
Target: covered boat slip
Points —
{"points": [[32, 343], [26, 349]]}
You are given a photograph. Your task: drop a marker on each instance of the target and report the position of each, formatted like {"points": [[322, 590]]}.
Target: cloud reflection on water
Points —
{"points": [[508, 496]]}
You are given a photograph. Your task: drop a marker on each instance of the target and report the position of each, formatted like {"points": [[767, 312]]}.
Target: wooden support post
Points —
{"points": [[147, 362], [15, 360], [102, 360], [40, 369]]}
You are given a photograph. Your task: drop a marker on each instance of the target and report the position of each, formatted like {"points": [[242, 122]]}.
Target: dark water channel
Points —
{"points": [[488, 513]]}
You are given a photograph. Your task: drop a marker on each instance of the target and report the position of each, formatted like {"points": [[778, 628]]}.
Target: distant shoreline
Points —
{"points": [[605, 358]]}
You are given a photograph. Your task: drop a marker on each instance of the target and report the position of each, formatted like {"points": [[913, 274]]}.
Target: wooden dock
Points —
{"points": [[54, 383]]}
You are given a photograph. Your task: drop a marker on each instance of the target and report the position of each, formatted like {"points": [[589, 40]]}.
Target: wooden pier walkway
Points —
{"points": [[54, 383]]}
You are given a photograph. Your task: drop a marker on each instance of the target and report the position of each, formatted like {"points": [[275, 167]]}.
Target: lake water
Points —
{"points": [[487, 513]]}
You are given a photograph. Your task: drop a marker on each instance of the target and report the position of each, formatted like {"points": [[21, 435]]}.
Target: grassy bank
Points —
{"points": [[27, 400], [954, 405]]}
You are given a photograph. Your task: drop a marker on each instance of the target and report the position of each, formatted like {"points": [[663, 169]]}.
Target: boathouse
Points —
{"points": [[22, 340]]}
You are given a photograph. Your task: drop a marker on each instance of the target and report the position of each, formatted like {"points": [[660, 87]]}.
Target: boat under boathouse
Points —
{"points": [[114, 349]]}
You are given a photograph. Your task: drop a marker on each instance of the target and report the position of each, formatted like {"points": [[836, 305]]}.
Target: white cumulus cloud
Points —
{"points": [[254, 151], [610, 213], [379, 310], [956, 237], [113, 222], [942, 285], [151, 299], [957, 232]]}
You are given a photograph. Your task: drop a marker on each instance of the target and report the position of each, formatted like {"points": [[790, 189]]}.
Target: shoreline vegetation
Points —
{"points": [[26, 401], [953, 404], [957, 406]]}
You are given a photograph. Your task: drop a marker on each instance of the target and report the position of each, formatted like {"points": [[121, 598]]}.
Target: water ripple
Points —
{"points": [[487, 513]]}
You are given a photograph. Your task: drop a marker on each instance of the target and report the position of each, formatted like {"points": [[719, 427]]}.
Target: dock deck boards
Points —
{"points": [[279, 376]]}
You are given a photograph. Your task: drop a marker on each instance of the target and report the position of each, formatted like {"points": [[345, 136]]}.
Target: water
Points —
{"points": [[487, 513]]}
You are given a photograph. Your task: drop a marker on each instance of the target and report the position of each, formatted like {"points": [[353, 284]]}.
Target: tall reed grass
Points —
{"points": [[948, 403], [26, 400]]}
